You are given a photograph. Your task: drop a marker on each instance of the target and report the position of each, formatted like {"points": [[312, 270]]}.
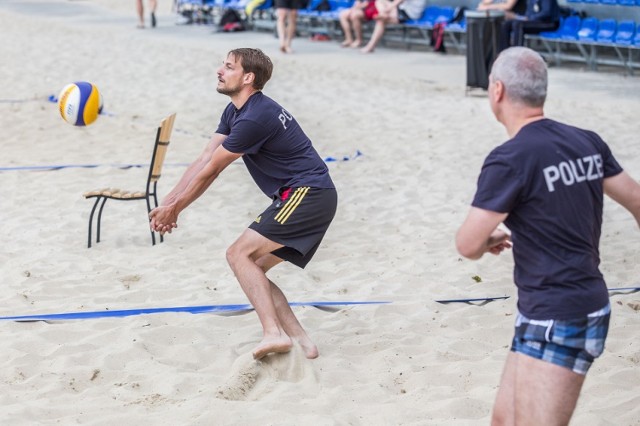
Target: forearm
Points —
{"points": [[193, 169], [194, 188], [623, 189]]}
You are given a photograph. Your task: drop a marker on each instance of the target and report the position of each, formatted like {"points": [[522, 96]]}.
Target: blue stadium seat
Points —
{"points": [[588, 29], [626, 32], [609, 1], [627, 2], [568, 29], [310, 9], [337, 6], [429, 17], [636, 38], [607, 31]]}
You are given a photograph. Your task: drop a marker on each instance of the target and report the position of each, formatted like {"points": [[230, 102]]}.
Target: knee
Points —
{"points": [[234, 254]]}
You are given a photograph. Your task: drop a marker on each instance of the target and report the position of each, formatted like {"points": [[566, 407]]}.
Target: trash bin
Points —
{"points": [[483, 45]]}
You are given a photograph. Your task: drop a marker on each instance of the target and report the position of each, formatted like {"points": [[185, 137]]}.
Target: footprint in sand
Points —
{"points": [[250, 379]]}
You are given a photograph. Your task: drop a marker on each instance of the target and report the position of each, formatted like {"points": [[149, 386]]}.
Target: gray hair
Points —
{"points": [[523, 73]]}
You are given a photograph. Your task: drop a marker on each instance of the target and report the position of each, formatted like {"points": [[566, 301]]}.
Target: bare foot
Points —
{"points": [[367, 49], [355, 44], [310, 350], [346, 43], [288, 49], [283, 49], [269, 345]]}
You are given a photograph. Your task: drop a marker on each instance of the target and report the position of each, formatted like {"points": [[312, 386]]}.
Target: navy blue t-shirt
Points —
{"points": [[548, 178], [275, 150]]}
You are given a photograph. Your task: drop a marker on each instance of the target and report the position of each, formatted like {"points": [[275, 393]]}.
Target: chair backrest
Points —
{"points": [[163, 138]]}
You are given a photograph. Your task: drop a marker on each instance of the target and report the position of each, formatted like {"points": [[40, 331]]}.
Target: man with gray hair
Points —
{"points": [[546, 183]]}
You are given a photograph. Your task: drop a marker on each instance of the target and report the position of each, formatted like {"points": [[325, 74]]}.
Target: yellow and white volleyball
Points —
{"points": [[80, 103]]}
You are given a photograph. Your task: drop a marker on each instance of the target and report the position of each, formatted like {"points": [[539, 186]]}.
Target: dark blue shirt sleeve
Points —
{"points": [[247, 137], [499, 186]]}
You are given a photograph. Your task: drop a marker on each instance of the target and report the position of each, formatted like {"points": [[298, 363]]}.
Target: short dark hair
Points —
{"points": [[256, 62]]}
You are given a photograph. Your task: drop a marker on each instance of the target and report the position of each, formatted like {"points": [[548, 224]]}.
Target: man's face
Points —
{"points": [[230, 76]]}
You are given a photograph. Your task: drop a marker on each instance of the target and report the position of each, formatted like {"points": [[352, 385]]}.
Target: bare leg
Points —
{"points": [[153, 5], [504, 407], [291, 29], [140, 10], [356, 22], [286, 316], [535, 392], [281, 26], [346, 29], [546, 394], [241, 257], [378, 32]]}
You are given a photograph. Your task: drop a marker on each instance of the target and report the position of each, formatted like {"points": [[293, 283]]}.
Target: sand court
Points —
{"points": [[412, 362]]}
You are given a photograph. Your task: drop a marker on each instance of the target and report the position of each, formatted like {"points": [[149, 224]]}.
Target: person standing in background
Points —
{"points": [[153, 4], [287, 12]]}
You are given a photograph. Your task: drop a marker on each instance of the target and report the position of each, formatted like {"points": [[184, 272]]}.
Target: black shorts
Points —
{"points": [[291, 4], [298, 219]]}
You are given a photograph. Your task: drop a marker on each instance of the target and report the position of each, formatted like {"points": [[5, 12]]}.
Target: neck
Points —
{"points": [[520, 118], [240, 98]]}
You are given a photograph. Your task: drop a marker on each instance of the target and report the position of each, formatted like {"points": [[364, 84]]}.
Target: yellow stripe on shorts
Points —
{"points": [[291, 205]]}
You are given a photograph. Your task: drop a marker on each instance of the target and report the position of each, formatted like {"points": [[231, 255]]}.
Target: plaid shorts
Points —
{"points": [[573, 344]]}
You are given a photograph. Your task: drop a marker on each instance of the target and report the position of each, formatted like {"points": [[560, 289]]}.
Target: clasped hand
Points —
{"points": [[163, 219]]}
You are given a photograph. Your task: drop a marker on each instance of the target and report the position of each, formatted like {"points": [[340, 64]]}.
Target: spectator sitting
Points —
{"points": [[394, 12], [351, 21], [541, 15], [511, 8]]}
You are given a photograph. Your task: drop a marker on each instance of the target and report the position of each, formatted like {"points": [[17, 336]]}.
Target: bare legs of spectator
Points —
{"points": [[153, 4], [286, 28], [387, 14], [351, 23]]}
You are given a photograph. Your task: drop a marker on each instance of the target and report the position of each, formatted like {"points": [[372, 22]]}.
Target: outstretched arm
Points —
{"points": [[479, 234], [625, 191], [194, 168], [165, 217]]}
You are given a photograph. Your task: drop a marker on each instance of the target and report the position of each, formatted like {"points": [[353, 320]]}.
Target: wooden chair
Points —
{"points": [[155, 169]]}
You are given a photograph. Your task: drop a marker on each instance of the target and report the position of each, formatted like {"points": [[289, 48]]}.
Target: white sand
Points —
{"points": [[413, 361]]}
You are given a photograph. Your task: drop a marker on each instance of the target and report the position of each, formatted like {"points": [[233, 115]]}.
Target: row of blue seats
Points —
{"points": [[605, 31], [609, 2]]}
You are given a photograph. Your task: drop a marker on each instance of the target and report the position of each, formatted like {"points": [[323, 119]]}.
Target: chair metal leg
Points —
{"points": [[91, 220], [153, 234], [104, 200]]}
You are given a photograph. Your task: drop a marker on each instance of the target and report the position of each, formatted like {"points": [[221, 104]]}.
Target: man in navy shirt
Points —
{"points": [[546, 184], [286, 167]]}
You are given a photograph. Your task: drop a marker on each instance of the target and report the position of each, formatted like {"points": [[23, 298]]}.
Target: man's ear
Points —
{"points": [[498, 91], [249, 78]]}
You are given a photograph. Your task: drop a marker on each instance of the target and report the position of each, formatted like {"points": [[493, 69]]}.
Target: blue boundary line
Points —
{"points": [[187, 309]]}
